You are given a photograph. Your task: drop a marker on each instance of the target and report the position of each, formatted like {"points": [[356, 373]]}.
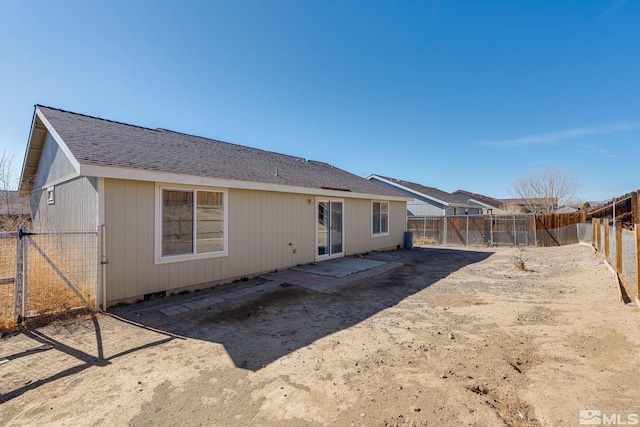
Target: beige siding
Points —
{"points": [[264, 231], [358, 227]]}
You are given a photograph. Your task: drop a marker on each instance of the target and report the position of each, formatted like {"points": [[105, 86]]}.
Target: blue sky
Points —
{"points": [[450, 94]]}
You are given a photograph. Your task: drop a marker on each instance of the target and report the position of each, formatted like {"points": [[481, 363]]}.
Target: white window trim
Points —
{"points": [[51, 195], [159, 259], [388, 218]]}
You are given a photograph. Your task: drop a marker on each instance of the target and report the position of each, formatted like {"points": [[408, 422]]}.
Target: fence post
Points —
{"points": [[515, 237], [619, 246], [424, 228], [467, 243], [607, 255], [593, 232], [491, 228], [18, 294]]}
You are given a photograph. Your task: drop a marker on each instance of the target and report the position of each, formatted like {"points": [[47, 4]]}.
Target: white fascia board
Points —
{"points": [[174, 178], [395, 184], [74, 162], [60, 181]]}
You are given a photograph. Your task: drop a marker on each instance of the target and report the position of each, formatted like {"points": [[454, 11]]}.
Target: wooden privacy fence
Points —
{"points": [[621, 249]]}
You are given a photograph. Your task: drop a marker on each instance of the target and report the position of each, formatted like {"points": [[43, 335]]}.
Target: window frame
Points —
{"points": [[165, 259], [380, 233], [51, 195]]}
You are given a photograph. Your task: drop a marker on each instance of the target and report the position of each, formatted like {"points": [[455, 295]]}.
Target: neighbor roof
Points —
{"points": [[479, 197], [98, 144], [447, 198]]}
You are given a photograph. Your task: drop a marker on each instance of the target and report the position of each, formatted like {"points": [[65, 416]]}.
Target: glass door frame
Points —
{"points": [[330, 255]]}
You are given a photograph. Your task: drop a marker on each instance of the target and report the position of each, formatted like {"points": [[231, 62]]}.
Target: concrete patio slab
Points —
{"points": [[339, 267]]}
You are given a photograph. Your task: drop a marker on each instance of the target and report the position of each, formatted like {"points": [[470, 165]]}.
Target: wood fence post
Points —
{"points": [[619, 246], [607, 255], [635, 208], [18, 292]]}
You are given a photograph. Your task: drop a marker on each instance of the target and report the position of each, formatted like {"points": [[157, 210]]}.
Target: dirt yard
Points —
{"points": [[453, 337]]}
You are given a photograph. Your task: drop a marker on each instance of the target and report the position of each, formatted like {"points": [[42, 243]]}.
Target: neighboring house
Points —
{"points": [[490, 205], [522, 205], [427, 200], [180, 211], [12, 204], [566, 209], [14, 210]]}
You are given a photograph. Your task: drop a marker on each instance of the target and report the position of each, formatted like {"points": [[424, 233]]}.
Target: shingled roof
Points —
{"points": [[104, 143], [430, 192], [479, 197]]}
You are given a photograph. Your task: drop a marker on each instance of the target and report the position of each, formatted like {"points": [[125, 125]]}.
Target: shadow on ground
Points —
{"points": [[67, 357], [258, 330]]}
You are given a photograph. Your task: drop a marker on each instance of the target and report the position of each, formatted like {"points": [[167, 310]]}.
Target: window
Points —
{"points": [[380, 218], [192, 224], [51, 195]]}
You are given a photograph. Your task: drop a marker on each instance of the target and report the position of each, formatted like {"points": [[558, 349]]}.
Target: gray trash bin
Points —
{"points": [[408, 239]]}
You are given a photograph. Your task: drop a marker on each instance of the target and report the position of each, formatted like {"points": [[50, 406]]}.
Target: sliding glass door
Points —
{"points": [[330, 225]]}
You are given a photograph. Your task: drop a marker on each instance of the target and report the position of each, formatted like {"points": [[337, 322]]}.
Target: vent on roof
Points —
{"points": [[335, 188]]}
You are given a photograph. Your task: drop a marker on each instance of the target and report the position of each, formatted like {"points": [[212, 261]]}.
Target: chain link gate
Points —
{"points": [[55, 272]]}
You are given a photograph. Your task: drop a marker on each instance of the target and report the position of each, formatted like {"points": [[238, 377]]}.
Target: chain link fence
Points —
{"points": [[474, 230]]}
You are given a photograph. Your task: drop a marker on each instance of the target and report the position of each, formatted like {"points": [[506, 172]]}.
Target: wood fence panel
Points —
{"points": [[637, 236]]}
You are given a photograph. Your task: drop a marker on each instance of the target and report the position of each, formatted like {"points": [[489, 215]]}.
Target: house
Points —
{"points": [[489, 204], [427, 200], [532, 205], [12, 204], [14, 210], [178, 211]]}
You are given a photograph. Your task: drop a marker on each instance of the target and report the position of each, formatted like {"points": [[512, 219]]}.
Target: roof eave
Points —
{"points": [[40, 126], [176, 178]]}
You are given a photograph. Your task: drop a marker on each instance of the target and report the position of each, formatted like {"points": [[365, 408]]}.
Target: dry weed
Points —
{"points": [[519, 261]]}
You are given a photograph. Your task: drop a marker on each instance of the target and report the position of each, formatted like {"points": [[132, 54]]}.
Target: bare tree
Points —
{"points": [[544, 191], [14, 210]]}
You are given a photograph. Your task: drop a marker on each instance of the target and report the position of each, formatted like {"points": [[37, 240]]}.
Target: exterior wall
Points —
{"points": [[358, 231], [463, 211], [266, 231], [74, 209], [419, 207], [53, 165], [76, 200]]}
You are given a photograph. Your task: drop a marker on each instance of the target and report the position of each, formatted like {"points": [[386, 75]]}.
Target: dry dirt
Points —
{"points": [[453, 337]]}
